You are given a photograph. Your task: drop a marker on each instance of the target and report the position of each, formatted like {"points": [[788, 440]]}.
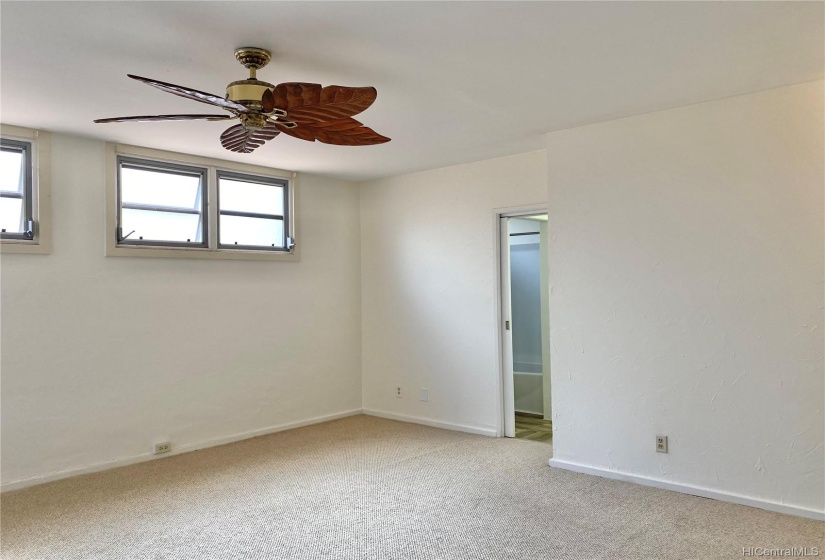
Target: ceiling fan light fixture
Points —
{"points": [[253, 121]]}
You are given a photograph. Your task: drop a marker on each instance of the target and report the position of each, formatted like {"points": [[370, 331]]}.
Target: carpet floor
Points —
{"points": [[369, 488]]}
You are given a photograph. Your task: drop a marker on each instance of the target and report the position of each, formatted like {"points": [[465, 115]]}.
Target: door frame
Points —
{"points": [[506, 405]]}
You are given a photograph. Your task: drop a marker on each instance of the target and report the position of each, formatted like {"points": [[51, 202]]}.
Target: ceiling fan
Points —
{"points": [[302, 110]]}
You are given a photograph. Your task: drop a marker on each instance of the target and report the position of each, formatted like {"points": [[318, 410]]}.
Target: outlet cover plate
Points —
{"points": [[164, 447], [661, 444]]}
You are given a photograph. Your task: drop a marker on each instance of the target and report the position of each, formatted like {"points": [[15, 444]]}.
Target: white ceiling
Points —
{"points": [[457, 81]]}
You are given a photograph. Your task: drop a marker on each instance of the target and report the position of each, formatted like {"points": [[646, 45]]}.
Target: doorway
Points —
{"points": [[525, 335]]}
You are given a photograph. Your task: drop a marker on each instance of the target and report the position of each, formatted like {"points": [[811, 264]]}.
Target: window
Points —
{"points": [[174, 205], [251, 211], [16, 217], [24, 211], [161, 204]]}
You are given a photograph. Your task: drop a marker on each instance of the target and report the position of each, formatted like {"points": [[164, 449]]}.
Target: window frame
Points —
{"points": [[174, 168], [36, 190], [212, 249], [25, 148], [261, 180]]}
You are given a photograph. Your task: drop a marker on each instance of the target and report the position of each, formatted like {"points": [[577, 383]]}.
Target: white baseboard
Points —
{"points": [[692, 490], [122, 462], [434, 423]]}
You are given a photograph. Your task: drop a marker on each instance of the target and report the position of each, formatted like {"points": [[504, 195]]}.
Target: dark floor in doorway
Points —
{"points": [[534, 428]]}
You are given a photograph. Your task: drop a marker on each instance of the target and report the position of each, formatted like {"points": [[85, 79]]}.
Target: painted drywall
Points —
{"points": [[428, 287], [547, 404], [103, 356], [686, 273]]}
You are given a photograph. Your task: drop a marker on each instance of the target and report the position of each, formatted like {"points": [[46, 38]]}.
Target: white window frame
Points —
{"points": [[40, 166], [212, 250]]}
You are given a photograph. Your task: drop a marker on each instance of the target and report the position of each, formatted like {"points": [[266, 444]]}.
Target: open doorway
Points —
{"points": [[526, 341]]}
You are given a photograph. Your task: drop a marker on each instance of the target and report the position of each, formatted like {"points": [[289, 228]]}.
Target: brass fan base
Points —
{"points": [[253, 57], [247, 92]]}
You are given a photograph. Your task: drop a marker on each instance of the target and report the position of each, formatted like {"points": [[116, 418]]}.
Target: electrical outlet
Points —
{"points": [[398, 392], [424, 396], [661, 444], [164, 447]]}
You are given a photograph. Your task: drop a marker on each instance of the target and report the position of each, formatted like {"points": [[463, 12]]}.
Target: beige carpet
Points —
{"points": [[370, 488]]}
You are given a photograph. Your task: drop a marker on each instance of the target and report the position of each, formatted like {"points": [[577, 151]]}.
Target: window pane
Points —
{"points": [[11, 167], [161, 226], [159, 188], [242, 196], [11, 214], [251, 231]]}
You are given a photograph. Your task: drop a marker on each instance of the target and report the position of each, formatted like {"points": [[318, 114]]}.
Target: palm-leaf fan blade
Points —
{"points": [[342, 132], [238, 139], [150, 118], [296, 94], [190, 93], [310, 103]]}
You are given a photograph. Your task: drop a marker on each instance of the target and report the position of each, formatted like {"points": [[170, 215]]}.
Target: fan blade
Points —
{"points": [[267, 101], [342, 132], [190, 93], [238, 139], [300, 132], [149, 118], [296, 94], [309, 103]]}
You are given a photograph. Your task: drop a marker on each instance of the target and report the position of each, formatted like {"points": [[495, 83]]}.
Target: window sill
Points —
{"points": [[12, 246], [200, 253]]}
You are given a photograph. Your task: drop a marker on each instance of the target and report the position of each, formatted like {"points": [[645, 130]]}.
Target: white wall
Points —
{"points": [[547, 404], [686, 272], [428, 287], [102, 357]]}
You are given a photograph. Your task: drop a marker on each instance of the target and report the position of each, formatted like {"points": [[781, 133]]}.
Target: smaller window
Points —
{"points": [[161, 204], [252, 212], [16, 196]]}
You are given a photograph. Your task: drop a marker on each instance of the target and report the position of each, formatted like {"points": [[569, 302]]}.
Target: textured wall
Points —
{"points": [[102, 357], [686, 272], [428, 286]]}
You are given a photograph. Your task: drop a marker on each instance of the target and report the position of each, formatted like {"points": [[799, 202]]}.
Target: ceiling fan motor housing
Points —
{"points": [[247, 92]]}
